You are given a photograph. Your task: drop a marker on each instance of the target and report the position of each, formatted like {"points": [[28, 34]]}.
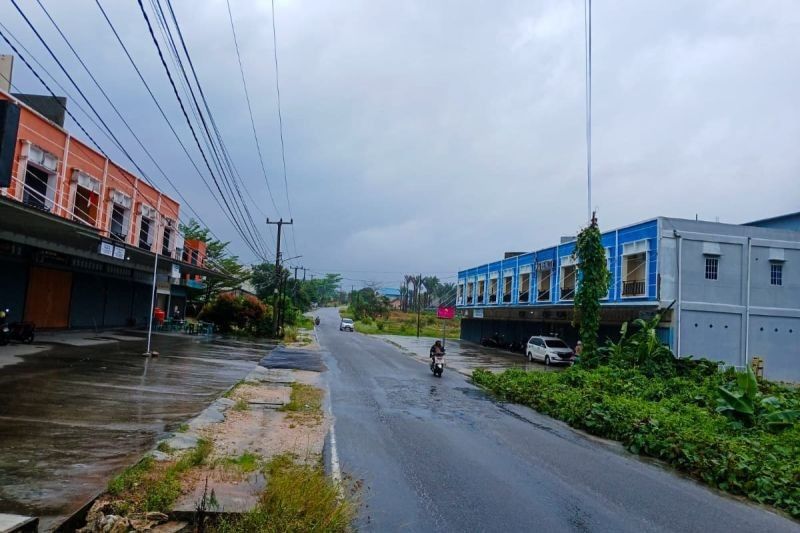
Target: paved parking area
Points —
{"points": [[77, 407], [464, 356]]}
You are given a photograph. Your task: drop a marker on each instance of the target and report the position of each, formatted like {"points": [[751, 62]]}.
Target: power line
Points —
{"points": [[222, 162], [80, 146], [227, 212], [186, 117], [226, 159], [280, 118], [249, 107], [118, 113], [587, 19]]}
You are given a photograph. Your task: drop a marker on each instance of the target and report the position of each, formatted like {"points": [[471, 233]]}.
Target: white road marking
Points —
{"points": [[336, 471]]}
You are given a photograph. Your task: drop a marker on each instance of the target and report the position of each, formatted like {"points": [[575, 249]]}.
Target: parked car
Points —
{"points": [[550, 350], [347, 325]]}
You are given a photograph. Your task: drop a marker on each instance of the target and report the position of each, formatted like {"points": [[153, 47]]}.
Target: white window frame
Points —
{"points": [[773, 265], [92, 184], [610, 274], [634, 248], [508, 274], [550, 284], [711, 267], [524, 271]]}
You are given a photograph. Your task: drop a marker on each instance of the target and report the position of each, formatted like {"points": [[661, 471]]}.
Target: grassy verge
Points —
{"points": [[154, 486], [245, 463], [298, 498], [230, 392], [673, 419], [398, 323], [305, 403]]}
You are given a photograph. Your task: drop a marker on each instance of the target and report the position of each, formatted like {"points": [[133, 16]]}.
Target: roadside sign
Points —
{"points": [[446, 312]]}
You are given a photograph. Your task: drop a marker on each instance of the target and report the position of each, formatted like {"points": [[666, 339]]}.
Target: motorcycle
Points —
{"points": [[316, 321], [495, 341], [517, 347], [437, 365], [18, 331]]}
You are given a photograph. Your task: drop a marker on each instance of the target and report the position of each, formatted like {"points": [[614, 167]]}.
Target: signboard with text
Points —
{"points": [[106, 248], [446, 312]]}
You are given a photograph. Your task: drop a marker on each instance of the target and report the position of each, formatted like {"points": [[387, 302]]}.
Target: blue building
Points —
{"points": [[728, 292]]}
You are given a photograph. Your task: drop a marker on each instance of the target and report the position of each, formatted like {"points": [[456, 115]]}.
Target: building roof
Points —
{"points": [[389, 292], [789, 221]]}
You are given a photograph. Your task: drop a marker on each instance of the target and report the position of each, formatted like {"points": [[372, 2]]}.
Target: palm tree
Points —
{"points": [[409, 280], [431, 284], [446, 293]]}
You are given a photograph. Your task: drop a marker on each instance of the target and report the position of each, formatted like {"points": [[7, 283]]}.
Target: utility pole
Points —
{"points": [[419, 307], [278, 277]]}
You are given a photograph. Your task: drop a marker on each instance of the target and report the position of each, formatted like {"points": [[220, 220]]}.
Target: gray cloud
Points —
{"points": [[431, 136]]}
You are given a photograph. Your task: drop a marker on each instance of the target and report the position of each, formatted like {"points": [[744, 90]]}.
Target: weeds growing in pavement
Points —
{"points": [[154, 486], [305, 403], [298, 498], [241, 405], [245, 463]]}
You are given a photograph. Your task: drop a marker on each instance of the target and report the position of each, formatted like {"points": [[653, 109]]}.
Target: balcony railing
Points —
{"points": [[634, 288], [506, 298], [543, 296], [493, 298], [567, 293], [523, 297]]}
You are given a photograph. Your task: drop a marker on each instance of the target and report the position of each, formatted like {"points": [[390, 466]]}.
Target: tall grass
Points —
{"points": [[298, 498], [150, 486]]}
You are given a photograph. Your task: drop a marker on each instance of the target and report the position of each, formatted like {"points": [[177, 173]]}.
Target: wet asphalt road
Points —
{"points": [[438, 455], [71, 417]]}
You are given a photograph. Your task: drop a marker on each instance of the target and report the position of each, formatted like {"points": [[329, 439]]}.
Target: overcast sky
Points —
{"points": [[430, 136]]}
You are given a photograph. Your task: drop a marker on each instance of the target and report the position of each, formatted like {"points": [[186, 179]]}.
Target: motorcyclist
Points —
{"points": [[436, 350], [316, 321]]}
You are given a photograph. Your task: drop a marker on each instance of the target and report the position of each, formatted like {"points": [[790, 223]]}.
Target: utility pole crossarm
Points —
{"points": [[278, 276]]}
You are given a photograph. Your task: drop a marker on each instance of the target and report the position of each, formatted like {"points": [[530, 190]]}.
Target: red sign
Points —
{"points": [[446, 312]]}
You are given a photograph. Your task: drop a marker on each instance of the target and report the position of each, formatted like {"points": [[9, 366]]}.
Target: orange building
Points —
{"points": [[79, 233]]}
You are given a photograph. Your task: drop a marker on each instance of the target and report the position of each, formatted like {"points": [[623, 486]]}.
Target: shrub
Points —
{"points": [[245, 312], [674, 418]]}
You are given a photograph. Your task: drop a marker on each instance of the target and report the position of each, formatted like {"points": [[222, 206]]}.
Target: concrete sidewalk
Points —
{"points": [[464, 356]]}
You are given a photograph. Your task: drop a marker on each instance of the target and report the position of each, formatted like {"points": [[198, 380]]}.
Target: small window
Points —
{"points": [[166, 240], [712, 267], [776, 274]]}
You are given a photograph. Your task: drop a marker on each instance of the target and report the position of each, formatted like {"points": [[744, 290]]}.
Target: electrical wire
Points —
{"points": [[219, 156], [249, 107], [225, 158], [118, 113], [225, 211], [189, 123], [280, 121]]}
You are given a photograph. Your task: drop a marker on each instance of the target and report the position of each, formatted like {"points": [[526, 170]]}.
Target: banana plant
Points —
{"points": [[743, 404], [740, 404]]}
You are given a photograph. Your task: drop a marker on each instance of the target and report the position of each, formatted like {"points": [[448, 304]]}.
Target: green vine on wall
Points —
{"points": [[592, 286]]}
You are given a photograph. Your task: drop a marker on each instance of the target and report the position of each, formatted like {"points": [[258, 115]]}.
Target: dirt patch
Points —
{"points": [[258, 433]]}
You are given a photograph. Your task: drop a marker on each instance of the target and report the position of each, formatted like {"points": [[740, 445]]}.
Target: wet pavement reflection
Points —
{"points": [[464, 356], [71, 417]]}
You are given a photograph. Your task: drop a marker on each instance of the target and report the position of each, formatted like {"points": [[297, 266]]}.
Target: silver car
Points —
{"points": [[550, 350], [347, 325]]}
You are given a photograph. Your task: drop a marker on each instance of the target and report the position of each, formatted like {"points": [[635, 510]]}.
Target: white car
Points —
{"points": [[347, 325], [550, 350]]}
